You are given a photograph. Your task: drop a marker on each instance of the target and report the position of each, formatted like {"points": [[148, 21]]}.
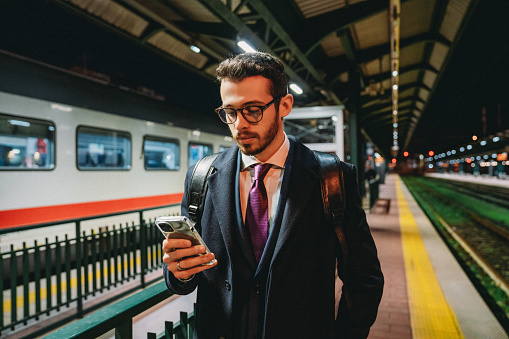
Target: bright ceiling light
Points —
{"points": [[195, 49], [245, 46], [296, 88]]}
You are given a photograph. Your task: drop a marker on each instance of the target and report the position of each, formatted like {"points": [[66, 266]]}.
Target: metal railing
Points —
{"points": [[119, 316], [44, 279]]}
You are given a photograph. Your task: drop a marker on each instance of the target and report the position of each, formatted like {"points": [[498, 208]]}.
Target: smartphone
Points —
{"points": [[180, 227]]}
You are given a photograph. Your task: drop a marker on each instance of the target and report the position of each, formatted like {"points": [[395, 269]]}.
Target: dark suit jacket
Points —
{"points": [[292, 288]]}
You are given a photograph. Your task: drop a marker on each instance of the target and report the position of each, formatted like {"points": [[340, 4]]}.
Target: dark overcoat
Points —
{"points": [[291, 293]]}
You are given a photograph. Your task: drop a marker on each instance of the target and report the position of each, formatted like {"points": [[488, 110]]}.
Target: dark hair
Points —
{"points": [[250, 64]]}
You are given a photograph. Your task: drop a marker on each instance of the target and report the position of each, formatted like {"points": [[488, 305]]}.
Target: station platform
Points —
{"points": [[426, 295]]}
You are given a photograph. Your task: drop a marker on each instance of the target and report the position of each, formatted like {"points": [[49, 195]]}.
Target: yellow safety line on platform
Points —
{"points": [[430, 314]]}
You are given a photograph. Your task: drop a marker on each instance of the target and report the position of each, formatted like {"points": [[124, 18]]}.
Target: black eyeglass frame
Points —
{"points": [[246, 116]]}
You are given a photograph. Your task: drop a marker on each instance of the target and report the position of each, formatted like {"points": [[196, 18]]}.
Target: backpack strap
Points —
{"points": [[334, 202], [197, 189]]}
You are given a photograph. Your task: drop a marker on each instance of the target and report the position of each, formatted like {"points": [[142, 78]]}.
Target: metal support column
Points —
{"points": [[354, 122]]}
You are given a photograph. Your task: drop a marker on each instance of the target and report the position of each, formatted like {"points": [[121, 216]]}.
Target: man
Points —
{"points": [[286, 287]]}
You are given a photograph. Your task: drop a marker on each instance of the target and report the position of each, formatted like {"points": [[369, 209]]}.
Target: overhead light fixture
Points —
{"points": [[245, 46], [195, 49], [394, 36], [296, 88]]}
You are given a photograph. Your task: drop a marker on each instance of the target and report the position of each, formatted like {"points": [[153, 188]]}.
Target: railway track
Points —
{"points": [[493, 194], [476, 229]]}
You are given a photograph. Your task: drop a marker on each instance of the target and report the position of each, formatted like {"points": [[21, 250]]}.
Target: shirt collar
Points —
{"points": [[278, 159]]}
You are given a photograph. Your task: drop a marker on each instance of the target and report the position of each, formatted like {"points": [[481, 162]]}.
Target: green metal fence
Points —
{"points": [[44, 279], [119, 317]]}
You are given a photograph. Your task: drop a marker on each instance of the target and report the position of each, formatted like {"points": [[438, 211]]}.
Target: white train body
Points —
{"points": [[66, 191]]}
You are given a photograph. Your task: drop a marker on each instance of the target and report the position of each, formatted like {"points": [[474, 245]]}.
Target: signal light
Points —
{"points": [[393, 160], [431, 153], [405, 154]]}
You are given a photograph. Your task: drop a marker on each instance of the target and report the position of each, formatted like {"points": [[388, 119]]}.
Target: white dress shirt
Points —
{"points": [[272, 180]]}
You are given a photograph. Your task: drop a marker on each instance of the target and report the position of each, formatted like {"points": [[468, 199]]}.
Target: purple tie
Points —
{"points": [[257, 215]]}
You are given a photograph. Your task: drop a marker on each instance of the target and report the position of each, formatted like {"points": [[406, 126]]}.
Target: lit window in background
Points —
{"points": [[31, 145]]}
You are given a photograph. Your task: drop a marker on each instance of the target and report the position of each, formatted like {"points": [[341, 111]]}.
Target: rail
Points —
{"points": [[46, 279], [119, 317]]}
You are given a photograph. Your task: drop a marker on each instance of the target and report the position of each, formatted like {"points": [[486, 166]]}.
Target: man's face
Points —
{"points": [[263, 138]]}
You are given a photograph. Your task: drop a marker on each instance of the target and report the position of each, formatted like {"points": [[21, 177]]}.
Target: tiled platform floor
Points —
{"points": [[395, 320]]}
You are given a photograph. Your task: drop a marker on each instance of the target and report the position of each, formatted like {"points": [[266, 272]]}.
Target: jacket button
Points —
{"points": [[227, 285]]}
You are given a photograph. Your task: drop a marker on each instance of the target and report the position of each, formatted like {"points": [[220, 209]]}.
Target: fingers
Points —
{"points": [[191, 266], [176, 254], [190, 259], [169, 245]]}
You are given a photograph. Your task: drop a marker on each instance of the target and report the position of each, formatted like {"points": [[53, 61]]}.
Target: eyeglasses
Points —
{"points": [[251, 113]]}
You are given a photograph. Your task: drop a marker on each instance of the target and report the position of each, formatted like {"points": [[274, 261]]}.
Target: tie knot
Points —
{"points": [[261, 170]]}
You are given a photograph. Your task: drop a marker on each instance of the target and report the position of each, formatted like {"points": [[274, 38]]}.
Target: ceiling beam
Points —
{"points": [[320, 26], [226, 14]]}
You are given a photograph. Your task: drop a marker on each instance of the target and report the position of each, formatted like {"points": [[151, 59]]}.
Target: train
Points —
{"points": [[63, 162], [74, 146]]}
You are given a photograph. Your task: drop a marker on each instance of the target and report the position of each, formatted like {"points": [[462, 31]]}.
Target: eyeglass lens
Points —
{"points": [[250, 113]]}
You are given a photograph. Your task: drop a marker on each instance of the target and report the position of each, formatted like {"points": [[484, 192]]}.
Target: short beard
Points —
{"points": [[264, 143]]}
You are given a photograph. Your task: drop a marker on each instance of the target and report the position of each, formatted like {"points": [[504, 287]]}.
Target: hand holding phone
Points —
{"points": [[181, 227]]}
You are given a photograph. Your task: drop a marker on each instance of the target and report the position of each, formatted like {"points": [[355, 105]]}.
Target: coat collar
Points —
{"points": [[300, 177]]}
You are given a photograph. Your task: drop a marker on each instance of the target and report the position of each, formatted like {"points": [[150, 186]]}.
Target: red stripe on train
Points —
{"points": [[46, 214]]}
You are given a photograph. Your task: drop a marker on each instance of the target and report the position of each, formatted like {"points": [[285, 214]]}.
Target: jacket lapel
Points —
{"points": [[300, 178], [223, 189], [303, 178]]}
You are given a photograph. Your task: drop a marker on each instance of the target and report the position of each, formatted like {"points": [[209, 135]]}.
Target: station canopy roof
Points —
{"points": [[337, 51]]}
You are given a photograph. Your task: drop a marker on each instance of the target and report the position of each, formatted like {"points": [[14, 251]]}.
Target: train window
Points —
{"points": [[102, 149], [198, 151], [26, 144], [161, 153], [312, 130]]}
